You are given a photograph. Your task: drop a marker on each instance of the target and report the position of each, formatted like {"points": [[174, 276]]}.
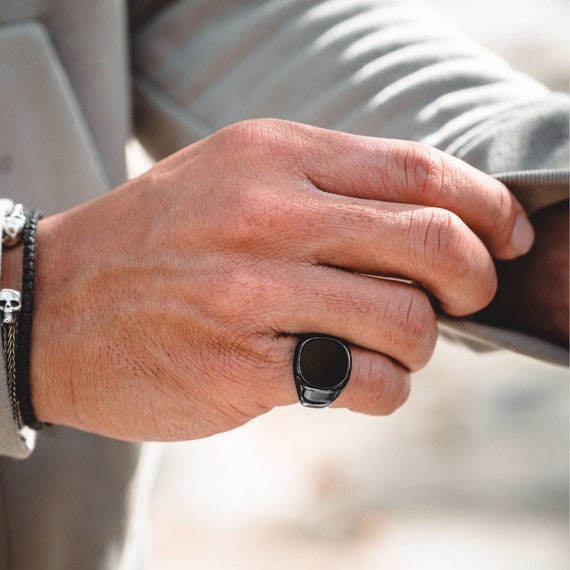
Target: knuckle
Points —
{"points": [[416, 329], [259, 138], [425, 173], [384, 386], [453, 261], [251, 216], [457, 263], [415, 318], [444, 241], [254, 210], [242, 134]]}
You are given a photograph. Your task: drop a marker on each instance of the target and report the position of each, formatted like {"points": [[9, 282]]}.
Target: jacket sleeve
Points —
{"points": [[390, 69], [63, 120]]}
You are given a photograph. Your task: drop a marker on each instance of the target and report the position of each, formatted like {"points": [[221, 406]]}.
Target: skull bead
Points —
{"points": [[10, 303]]}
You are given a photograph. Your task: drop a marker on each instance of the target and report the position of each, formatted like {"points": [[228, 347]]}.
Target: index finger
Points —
{"points": [[414, 173]]}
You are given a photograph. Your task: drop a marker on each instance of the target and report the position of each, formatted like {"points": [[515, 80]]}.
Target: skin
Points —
{"points": [[169, 308]]}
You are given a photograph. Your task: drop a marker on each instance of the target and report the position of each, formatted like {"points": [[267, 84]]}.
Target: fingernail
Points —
{"points": [[523, 235]]}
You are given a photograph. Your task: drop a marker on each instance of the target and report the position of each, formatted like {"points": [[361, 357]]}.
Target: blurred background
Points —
{"points": [[471, 473]]}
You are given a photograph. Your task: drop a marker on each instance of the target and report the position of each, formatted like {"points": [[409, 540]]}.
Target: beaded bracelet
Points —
{"points": [[23, 346]]}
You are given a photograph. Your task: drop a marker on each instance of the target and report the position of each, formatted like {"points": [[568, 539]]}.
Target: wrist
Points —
{"points": [[18, 242], [47, 396], [12, 259]]}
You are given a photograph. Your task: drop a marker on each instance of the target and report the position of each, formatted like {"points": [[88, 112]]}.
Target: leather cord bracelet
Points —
{"points": [[23, 346]]}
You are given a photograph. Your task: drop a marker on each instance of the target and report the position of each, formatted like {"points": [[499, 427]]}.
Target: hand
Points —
{"points": [[533, 290], [168, 309]]}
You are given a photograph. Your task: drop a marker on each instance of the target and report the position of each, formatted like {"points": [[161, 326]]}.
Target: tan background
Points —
{"points": [[471, 474]]}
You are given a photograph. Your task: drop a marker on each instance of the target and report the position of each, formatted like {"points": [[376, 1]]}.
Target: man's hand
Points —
{"points": [[169, 308]]}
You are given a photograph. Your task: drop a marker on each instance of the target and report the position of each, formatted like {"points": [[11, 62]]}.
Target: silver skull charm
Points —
{"points": [[13, 226], [10, 303]]}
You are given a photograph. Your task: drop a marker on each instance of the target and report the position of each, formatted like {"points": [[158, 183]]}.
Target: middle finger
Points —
{"points": [[430, 246]]}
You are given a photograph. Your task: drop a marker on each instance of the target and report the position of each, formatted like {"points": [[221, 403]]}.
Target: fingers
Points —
{"points": [[383, 316], [423, 175], [378, 385], [429, 246], [406, 172], [390, 326], [385, 207]]}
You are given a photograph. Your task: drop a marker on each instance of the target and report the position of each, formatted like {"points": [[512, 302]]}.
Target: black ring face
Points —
{"points": [[322, 366]]}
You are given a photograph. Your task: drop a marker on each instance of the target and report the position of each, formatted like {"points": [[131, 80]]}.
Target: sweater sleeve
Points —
{"points": [[374, 67]]}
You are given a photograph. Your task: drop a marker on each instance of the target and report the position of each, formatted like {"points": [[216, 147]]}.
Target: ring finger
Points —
{"points": [[380, 315]]}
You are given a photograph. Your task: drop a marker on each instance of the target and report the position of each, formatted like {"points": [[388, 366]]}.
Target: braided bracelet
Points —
{"points": [[10, 303], [23, 347]]}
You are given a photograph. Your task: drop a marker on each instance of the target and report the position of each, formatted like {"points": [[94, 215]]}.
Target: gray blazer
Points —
{"points": [[68, 89]]}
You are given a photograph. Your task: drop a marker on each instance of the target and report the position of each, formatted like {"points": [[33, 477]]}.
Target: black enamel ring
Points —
{"points": [[321, 366]]}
